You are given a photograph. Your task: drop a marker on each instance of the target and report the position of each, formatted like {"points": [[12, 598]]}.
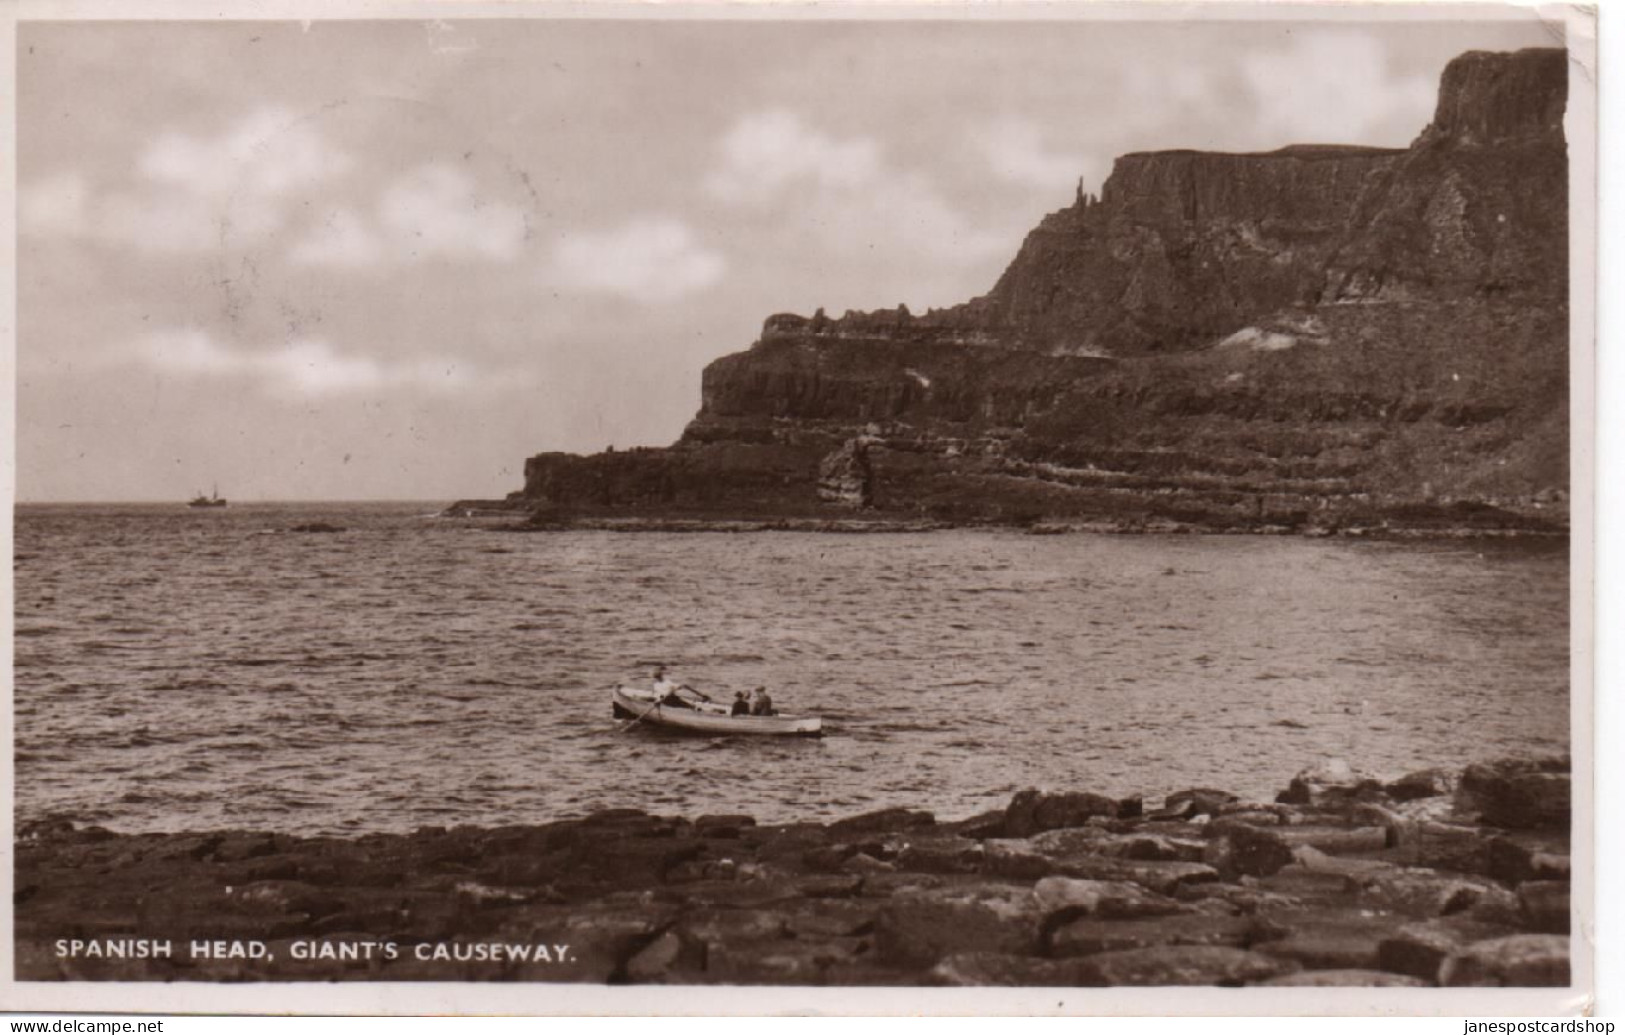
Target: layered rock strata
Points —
{"points": [[1438, 878], [1316, 339]]}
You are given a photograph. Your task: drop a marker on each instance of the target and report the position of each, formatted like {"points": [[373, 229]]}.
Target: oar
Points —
{"points": [[647, 712]]}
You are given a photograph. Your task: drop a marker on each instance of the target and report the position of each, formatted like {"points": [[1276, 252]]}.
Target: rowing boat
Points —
{"points": [[708, 718]]}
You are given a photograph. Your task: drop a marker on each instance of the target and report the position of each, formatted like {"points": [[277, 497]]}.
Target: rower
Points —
{"points": [[666, 690]]}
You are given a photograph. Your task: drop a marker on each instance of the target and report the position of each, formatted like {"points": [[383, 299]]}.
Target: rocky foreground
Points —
{"points": [[1438, 878]]}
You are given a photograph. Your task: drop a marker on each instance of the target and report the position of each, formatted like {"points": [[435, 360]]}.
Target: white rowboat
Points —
{"points": [[709, 718]]}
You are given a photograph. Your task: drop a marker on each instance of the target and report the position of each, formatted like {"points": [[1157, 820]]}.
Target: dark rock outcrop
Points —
{"points": [[1318, 339]]}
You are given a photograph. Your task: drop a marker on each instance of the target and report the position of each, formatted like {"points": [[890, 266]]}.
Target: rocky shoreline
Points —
{"points": [[516, 519], [1438, 878]]}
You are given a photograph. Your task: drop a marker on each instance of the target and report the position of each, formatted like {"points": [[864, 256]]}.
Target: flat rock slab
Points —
{"points": [[982, 969], [1420, 949], [1084, 937], [1517, 795], [1545, 905], [1032, 811], [1519, 960], [1346, 979], [1106, 899], [1163, 878], [1180, 965], [925, 926], [1425, 893], [1328, 940], [785, 962]]}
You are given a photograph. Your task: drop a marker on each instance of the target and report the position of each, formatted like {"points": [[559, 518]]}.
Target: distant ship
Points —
{"points": [[201, 500]]}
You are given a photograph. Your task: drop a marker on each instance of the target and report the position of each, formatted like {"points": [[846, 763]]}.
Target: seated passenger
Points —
{"points": [[761, 704], [740, 705]]}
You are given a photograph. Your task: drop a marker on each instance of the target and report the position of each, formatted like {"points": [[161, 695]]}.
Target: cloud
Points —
{"points": [[191, 191], [650, 259], [841, 195], [436, 211], [1016, 152], [1333, 86], [266, 154], [302, 367], [766, 152], [431, 212], [55, 204], [341, 238]]}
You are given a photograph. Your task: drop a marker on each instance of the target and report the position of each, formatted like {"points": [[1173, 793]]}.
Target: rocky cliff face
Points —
{"points": [[1317, 338]]}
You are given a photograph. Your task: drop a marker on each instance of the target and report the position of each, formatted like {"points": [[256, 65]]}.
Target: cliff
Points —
{"points": [[1319, 338]]}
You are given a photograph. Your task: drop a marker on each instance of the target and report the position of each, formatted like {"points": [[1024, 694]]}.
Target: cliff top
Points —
{"points": [[1301, 152]]}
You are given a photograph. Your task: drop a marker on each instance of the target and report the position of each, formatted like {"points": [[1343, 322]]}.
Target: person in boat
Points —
{"points": [[740, 705], [761, 703], [666, 690]]}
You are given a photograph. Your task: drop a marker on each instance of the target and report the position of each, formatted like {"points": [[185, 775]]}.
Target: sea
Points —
{"points": [[185, 669]]}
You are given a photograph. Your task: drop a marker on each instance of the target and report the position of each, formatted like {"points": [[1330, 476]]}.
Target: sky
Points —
{"points": [[392, 259]]}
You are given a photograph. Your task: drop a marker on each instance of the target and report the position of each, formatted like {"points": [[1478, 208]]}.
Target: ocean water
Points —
{"points": [[180, 669]]}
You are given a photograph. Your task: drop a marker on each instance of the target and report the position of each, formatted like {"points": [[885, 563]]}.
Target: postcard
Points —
{"points": [[700, 508]]}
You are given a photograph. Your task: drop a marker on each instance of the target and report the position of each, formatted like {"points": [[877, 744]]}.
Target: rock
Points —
{"points": [[817, 920], [1420, 949], [721, 925], [920, 928], [980, 826], [1308, 887], [1086, 936], [1444, 846], [827, 858], [1151, 848], [282, 897], [1422, 893], [1517, 861], [863, 862], [993, 969], [884, 821], [1014, 861], [1519, 960], [1519, 794], [1032, 811], [1332, 785], [1329, 941], [1198, 801], [1346, 979], [603, 937], [722, 826], [1067, 841], [1335, 840], [1179, 965], [1164, 878], [247, 846], [829, 887], [1100, 898], [846, 477], [659, 960], [1545, 905], [1425, 783], [482, 896], [1243, 850], [784, 962], [1357, 872], [946, 855]]}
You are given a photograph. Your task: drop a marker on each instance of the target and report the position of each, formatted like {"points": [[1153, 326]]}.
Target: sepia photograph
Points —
{"points": [[851, 507]]}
